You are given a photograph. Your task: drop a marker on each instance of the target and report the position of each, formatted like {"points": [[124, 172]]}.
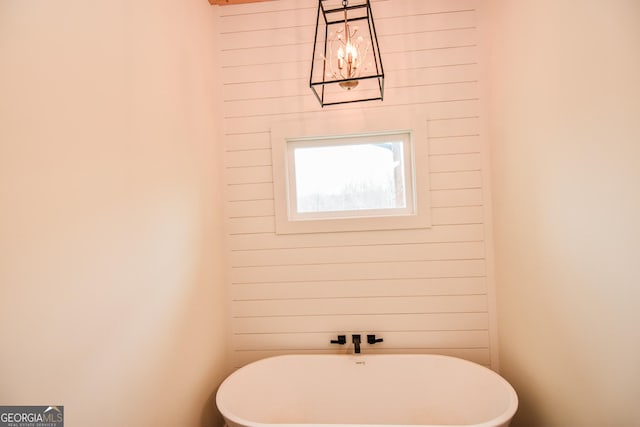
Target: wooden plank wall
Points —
{"points": [[424, 291]]}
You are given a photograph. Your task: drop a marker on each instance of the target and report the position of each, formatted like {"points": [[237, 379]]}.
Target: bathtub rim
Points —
{"points": [[500, 420]]}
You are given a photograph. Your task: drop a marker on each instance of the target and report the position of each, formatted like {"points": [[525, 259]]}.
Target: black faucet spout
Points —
{"points": [[356, 343]]}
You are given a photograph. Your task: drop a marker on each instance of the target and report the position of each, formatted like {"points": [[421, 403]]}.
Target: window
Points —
{"points": [[367, 174], [356, 176]]}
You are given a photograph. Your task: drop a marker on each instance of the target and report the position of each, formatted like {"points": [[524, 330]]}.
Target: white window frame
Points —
{"points": [[350, 126]]}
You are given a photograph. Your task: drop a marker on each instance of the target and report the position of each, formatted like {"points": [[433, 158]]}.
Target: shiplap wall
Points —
{"points": [[427, 290]]}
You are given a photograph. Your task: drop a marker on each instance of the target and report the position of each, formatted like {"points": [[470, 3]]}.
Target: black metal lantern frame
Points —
{"points": [[346, 65]]}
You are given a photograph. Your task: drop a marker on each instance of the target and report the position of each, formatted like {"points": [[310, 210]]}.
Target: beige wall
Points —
{"points": [[425, 290], [565, 125], [110, 269]]}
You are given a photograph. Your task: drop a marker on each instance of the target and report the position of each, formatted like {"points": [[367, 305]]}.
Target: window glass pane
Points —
{"points": [[350, 177]]}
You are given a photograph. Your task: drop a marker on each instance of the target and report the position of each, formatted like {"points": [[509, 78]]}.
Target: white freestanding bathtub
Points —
{"points": [[366, 390]]}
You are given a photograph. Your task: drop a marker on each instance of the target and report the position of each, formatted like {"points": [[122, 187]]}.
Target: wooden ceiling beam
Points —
{"points": [[230, 2]]}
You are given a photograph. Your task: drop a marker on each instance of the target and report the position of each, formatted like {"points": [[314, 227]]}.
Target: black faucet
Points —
{"points": [[371, 339], [342, 339], [356, 343]]}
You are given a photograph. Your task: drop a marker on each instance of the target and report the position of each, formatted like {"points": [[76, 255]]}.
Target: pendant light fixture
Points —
{"points": [[346, 65]]}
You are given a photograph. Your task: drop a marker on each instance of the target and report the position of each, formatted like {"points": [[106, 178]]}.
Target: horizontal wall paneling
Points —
{"points": [[423, 290]]}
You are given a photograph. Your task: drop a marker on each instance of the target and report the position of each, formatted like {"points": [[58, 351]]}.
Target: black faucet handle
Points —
{"points": [[342, 339], [371, 339]]}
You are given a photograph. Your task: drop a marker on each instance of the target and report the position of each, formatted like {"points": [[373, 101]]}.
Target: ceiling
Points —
{"points": [[230, 2]]}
